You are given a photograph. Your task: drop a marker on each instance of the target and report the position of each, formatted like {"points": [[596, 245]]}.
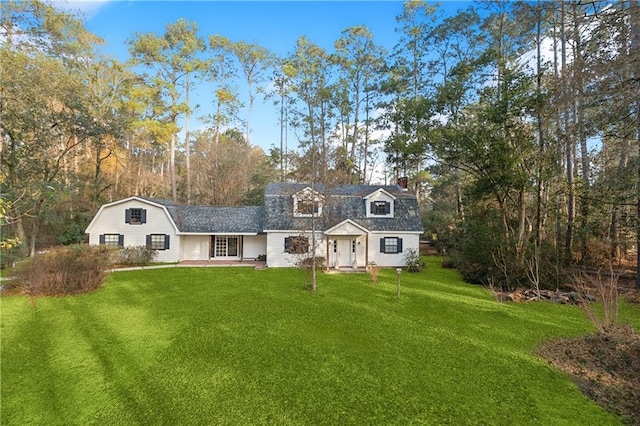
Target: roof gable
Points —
{"points": [[151, 202], [347, 227], [380, 192]]}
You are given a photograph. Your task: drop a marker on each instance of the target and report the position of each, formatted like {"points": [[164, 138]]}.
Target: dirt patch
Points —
{"points": [[606, 367], [426, 249]]}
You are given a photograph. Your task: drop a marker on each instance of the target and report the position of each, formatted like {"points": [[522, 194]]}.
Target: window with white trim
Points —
{"points": [[307, 203]]}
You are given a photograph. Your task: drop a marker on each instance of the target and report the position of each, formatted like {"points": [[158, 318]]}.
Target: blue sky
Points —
{"points": [[275, 25]]}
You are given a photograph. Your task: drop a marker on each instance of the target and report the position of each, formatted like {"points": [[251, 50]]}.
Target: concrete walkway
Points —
{"points": [[199, 264]]}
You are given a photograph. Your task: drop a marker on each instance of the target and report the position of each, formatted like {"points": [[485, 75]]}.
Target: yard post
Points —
{"points": [[398, 271]]}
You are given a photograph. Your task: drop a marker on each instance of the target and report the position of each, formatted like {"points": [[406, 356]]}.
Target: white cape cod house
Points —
{"points": [[354, 225]]}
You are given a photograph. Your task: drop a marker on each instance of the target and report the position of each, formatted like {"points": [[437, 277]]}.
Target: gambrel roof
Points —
{"points": [[340, 203]]}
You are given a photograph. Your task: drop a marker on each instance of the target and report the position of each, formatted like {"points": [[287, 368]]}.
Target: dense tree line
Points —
{"points": [[517, 123]]}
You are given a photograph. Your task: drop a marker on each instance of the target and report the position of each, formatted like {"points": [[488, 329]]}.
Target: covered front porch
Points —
{"points": [[347, 247], [223, 248]]}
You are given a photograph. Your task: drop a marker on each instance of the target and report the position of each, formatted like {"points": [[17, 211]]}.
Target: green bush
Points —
{"points": [[412, 260], [62, 271], [73, 232], [473, 254]]}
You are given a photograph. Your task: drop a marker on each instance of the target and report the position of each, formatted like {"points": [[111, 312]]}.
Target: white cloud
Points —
{"points": [[84, 8]]}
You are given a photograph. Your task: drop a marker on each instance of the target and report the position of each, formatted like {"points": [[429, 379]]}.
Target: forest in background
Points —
{"points": [[516, 123]]}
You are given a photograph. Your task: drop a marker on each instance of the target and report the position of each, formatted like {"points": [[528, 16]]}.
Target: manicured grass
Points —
{"points": [[238, 346]]}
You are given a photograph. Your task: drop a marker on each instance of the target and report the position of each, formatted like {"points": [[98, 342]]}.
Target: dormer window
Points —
{"points": [[307, 203], [380, 204], [380, 208], [307, 207]]}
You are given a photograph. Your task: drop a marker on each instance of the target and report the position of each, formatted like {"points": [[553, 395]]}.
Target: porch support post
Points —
{"points": [[366, 250], [326, 259]]}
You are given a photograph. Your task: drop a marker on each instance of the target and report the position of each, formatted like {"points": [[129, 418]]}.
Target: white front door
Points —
{"points": [[346, 252]]}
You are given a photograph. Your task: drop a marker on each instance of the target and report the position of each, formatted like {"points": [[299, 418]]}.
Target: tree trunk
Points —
{"points": [[522, 219], [354, 142], [282, 173], [541, 139], [578, 64], [559, 147], [569, 146], [634, 12], [459, 200], [187, 150], [172, 169], [366, 140]]}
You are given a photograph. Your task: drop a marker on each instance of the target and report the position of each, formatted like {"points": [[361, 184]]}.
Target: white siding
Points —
{"points": [[277, 257], [379, 196], [391, 259], [195, 247], [111, 220], [254, 246]]}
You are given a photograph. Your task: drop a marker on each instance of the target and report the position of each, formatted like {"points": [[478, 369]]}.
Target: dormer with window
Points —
{"points": [[380, 204], [306, 202]]}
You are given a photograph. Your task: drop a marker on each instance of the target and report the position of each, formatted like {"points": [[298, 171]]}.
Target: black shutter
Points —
{"points": [[127, 216], [143, 216], [166, 242], [399, 245], [101, 239], [287, 244], [148, 241], [372, 208], [387, 207], [381, 245], [121, 240]]}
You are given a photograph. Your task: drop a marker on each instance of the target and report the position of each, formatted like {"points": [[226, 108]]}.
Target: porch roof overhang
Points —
{"points": [[346, 227], [218, 233]]}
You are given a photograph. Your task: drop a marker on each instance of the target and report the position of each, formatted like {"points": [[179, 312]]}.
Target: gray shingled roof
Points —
{"points": [[343, 202], [211, 219], [160, 201]]}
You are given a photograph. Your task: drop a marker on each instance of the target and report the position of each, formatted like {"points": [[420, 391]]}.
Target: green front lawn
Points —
{"points": [[238, 346]]}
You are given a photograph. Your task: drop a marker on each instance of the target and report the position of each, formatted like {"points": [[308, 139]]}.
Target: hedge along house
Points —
{"points": [[355, 225]]}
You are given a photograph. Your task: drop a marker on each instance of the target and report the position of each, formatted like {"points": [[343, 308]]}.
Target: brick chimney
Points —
{"points": [[402, 183]]}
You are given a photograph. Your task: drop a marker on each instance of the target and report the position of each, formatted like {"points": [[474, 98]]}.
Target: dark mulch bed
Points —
{"points": [[606, 367]]}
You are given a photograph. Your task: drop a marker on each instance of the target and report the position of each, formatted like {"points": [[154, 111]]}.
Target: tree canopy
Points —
{"points": [[517, 125]]}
